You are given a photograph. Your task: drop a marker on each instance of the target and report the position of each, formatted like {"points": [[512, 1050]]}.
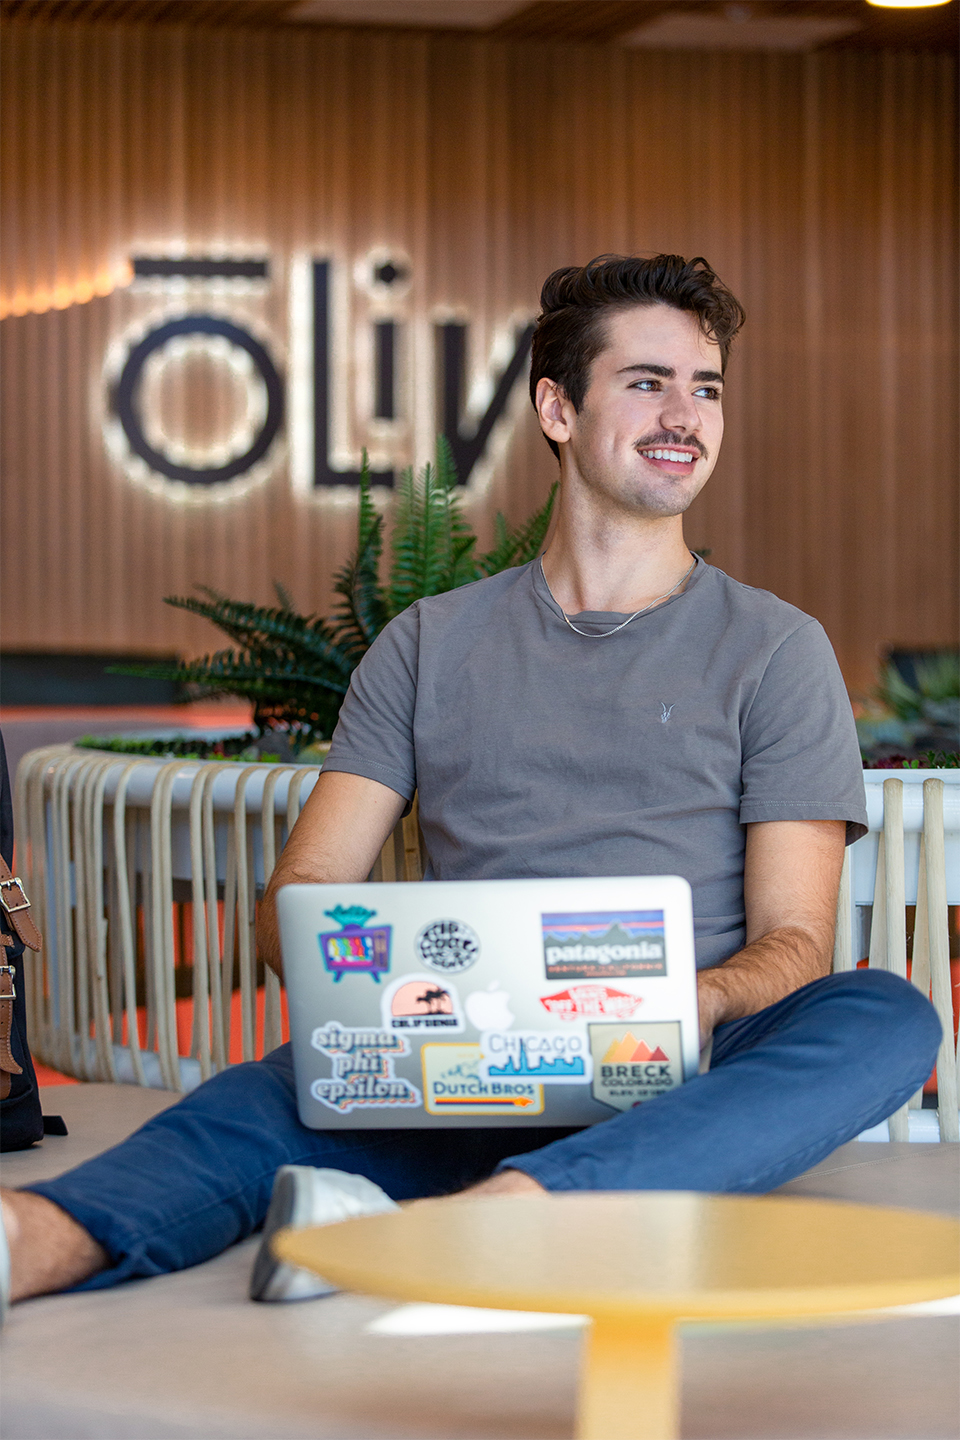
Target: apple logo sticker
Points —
{"points": [[490, 1009]]}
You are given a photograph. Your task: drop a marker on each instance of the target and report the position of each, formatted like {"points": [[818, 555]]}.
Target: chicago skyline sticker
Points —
{"points": [[601, 945], [551, 1057]]}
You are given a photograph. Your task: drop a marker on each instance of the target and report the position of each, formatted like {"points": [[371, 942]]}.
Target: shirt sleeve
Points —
{"points": [[374, 734], [801, 756]]}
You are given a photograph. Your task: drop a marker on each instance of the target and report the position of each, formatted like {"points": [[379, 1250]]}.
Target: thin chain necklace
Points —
{"points": [[588, 635]]}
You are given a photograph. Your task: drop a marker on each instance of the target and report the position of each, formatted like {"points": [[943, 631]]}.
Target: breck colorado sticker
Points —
{"points": [[453, 1085], [632, 1063], [363, 1074], [604, 945]]}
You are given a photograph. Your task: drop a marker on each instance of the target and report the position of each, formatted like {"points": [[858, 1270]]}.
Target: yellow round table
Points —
{"points": [[636, 1263]]}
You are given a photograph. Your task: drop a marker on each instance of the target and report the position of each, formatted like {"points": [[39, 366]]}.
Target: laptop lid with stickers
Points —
{"points": [[493, 1002]]}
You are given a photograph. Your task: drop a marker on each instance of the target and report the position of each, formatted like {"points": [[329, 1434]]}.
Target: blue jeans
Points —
{"points": [[785, 1088]]}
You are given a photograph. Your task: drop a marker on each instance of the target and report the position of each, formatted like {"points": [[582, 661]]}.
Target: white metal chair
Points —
{"points": [[132, 862]]}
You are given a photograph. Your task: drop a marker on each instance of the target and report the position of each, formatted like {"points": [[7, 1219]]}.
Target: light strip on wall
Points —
{"points": [[62, 296]]}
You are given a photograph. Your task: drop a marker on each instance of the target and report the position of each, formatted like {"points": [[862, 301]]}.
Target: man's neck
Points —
{"points": [[613, 563]]}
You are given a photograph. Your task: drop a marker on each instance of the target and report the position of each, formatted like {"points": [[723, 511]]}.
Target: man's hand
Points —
{"points": [[341, 830], [791, 878]]}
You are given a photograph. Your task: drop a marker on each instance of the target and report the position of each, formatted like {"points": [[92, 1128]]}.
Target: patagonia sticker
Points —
{"points": [[603, 945], [448, 946], [356, 948], [421, 1002], [633, 1063], [363, 1074], [454, 1085], [551, 1057], [591, 1002]]}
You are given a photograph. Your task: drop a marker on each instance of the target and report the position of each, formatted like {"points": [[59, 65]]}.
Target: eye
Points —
{"points": [[709, 392], [649, 385]]}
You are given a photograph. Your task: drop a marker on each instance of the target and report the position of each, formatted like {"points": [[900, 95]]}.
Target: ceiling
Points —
{"points": [[659, 24]]}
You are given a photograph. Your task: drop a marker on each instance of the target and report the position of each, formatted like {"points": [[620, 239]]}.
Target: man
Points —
{"points": [[616, 707]]}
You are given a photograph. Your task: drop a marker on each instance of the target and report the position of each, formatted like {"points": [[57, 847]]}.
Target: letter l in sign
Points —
{"points": [[451, 354]]}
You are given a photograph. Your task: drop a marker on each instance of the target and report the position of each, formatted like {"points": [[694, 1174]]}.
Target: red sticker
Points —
{"points": [[591, 1002]]}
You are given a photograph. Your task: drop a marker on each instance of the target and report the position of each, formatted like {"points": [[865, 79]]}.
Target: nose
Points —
{"points": [[679, 411]]}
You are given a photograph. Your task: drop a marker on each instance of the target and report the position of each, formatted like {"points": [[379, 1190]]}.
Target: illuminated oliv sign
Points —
{"points": [[314, 368]]}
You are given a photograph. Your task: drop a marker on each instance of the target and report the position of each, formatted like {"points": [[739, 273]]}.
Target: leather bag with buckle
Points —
{"points": [[21, 1118]]}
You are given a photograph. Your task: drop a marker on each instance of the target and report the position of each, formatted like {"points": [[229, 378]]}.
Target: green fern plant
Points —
{"points": [[296, 668]]}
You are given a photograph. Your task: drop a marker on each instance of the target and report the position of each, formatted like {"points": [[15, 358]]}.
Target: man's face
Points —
{"points": [[648, 432]]}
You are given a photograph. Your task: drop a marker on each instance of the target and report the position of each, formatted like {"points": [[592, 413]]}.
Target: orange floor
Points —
{"points": [[48, 1076]]}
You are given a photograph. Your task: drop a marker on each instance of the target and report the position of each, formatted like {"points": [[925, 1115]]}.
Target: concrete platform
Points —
{"points": [[188, 1356]]}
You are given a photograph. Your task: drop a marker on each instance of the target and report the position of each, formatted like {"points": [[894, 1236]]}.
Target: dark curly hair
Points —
{"points": [[573, 302]]}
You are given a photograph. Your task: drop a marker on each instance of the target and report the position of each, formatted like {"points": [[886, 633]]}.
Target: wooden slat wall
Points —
{"points": [[822, 188]]}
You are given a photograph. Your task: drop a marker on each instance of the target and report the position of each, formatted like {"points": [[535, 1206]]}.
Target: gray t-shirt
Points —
{"points": [[539, 752]]}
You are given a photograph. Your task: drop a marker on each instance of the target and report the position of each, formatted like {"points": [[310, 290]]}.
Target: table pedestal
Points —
{"points": [[629, 1382]]}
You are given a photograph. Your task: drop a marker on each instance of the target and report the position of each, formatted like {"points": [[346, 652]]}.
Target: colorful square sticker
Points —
{"points": [[356, 948], [453, 1085], [603, 945], [635, 1062]]}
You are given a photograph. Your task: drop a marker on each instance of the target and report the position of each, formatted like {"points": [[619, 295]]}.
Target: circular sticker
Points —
{"points": [[448, 945]]}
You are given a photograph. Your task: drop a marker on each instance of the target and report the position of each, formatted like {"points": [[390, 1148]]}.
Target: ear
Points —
{"points": [[554, 411]]}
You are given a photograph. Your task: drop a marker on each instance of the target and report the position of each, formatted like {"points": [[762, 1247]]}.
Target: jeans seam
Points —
{"points": [[861, 1123], [131, 1237]]}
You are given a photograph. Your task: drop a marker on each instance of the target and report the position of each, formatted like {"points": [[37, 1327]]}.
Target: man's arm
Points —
{"points": [[341, 830], [791, 879]]}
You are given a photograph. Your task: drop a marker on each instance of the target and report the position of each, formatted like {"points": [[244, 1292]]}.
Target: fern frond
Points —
{"points": [[242, 673], [262, 631], [285, 598], [420, 539], [362, 613], [520, 544]]}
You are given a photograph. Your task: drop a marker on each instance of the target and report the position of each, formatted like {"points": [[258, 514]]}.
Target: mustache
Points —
{"points": [[660, 438]]}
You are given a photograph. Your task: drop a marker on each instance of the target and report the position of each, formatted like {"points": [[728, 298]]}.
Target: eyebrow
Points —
{"points": [[667, 372]]}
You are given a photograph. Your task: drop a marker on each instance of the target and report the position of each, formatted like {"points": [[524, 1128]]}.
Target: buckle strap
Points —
{"points": [[20, 919], [6, 885], [8, 1066]]}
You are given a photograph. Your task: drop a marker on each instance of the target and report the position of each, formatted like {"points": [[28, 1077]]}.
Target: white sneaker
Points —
{"points": [[305, 1196]]}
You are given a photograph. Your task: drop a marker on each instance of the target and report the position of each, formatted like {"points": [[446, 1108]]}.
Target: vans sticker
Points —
{"points": [[421, 1002], [453, 1085], [591, 1002], [362, 1064], [356, 948], [603, 945], [551, 1057], [633, 1063]]}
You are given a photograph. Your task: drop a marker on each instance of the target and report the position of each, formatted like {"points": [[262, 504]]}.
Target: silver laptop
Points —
{"points": [[490, 1002]]}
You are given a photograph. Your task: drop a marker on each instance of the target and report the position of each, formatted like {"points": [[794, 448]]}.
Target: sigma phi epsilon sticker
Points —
{"points": [[448, 946], [551, 1057], [363, 1075], [421, 1002], [604, 945], [356, 948], [453, 1085], [591, 1002], [632, 1063]]}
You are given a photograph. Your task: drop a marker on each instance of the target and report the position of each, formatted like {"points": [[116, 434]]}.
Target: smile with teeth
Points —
{"points": [[677, 457]]}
